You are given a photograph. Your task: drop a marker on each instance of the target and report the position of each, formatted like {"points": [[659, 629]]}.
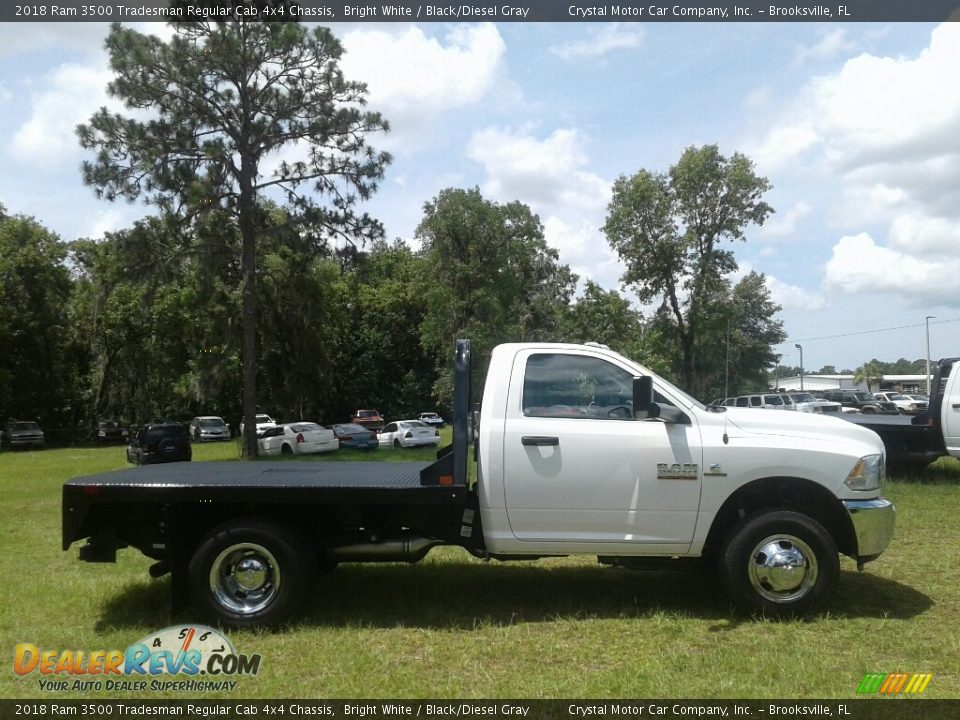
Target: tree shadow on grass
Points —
{"points": [[464, 596]]}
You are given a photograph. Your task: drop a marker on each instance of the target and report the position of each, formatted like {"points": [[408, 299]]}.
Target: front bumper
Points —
{"points": [[873, 524]]}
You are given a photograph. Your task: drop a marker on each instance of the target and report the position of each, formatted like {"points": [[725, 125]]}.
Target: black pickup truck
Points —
{"points": [[914, 442]]}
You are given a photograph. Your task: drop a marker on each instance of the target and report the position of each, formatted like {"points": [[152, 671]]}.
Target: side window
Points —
{"points": [[755, 401], [575, 386], [392, 427], [742, 401]]}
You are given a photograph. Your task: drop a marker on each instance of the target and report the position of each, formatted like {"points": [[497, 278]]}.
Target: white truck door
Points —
{"points": [[950, 411], [579, 468]]}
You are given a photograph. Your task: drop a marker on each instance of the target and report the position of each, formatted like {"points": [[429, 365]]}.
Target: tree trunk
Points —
{"points": [[249, 269]]}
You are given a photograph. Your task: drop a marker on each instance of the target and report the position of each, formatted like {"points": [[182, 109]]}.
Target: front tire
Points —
{"points": [[779, 564], [250, 573]]}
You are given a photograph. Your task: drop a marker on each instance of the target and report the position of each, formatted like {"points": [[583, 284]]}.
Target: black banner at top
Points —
{"points": [[329, 11]]}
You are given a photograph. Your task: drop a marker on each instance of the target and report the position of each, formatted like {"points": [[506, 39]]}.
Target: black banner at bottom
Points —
{"points": [[852, 709]]}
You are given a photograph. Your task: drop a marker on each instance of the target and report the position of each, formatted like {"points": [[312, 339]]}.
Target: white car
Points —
{"points": [[805, 402], [300, 438], [905, 405], [432, 419], [264, 423], [408, 433]]}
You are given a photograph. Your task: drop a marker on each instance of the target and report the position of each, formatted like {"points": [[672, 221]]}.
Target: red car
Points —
{"points": [[370, 419]]}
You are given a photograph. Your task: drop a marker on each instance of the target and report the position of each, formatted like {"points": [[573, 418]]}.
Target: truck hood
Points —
{"points": [[810, 427]]}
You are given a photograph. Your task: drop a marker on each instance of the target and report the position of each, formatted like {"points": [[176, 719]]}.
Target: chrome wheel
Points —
{"points": [[782, 568], [245, 578]]}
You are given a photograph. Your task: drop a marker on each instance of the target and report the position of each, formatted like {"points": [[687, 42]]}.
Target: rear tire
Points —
{"points": [[250, 573], [779, 564], [397, 445]]}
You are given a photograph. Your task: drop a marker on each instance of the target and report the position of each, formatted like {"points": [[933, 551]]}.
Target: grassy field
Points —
{"points": [[456, 627]]}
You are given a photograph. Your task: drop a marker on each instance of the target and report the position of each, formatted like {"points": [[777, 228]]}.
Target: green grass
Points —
{"points": [[456, 627]]}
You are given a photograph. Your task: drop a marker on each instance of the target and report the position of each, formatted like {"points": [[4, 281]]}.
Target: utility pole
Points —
{"points": [[799, 347], [927, 321]]}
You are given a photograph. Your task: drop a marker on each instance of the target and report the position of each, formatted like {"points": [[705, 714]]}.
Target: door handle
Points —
{"points": [[539, 440]]}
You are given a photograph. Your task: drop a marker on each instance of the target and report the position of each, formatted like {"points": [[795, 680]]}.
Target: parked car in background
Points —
{"points": [[110, 431], [209, 427], [264, 423], [905, 405], [862, 401], [300, 438], [369, 418], [351, 435], [408, 433], [775, 401], [431, 419], [805, 402], [22, 434], [158, 443]]}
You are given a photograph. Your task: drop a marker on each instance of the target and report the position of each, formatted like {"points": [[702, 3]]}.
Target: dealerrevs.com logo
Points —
{"points": [[201, 657], [894, 683]]}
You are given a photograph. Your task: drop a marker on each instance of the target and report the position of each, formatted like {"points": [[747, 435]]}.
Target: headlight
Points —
{"points": [[867, 474]]}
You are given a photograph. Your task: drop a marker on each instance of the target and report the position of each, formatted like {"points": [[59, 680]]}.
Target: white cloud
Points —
{"points": [[784, 144], [887, 130], [546, 173], [412, 77], [829, 46], [928, 237], [792, 297], [859, 265], [110, 220], [584, 248], [70, 94], [783, 224], [601, 40], [877, 111]]}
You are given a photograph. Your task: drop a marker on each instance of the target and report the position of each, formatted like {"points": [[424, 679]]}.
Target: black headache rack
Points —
{"points": [[450, 469], [938, 386]]}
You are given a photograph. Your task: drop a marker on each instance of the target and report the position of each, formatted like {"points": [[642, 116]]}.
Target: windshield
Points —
{"points": [[367, 413], [803, 397], [212, 423], [411, 424], [264, 419], [897, 396], [24, 426]]}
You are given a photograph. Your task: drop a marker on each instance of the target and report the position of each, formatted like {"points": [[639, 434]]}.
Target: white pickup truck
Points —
{"points": [[578, 451]]}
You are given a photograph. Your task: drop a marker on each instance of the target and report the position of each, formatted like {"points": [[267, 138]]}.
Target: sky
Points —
{"points": [[856, 126]]}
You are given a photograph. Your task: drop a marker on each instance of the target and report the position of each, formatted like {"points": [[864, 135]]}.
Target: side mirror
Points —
{"points": [[643, 405]]}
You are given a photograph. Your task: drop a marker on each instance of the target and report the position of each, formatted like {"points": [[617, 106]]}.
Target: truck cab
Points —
{"points": [[573, 460]]}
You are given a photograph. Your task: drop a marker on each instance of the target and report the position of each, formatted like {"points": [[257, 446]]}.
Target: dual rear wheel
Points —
{"points": [[251, 572]]}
